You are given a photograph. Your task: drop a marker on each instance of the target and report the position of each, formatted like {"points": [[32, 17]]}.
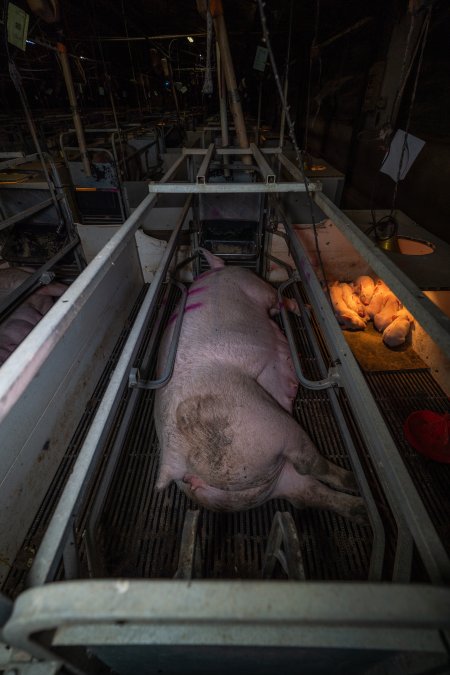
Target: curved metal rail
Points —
{"points": [[133, 380], [333, 376]]}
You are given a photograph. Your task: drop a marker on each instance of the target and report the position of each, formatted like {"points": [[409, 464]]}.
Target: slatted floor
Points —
{"points": [[140, 532], [140, 529], [398, 394]]}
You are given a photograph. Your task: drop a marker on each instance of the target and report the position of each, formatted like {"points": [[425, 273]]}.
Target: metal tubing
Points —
{"points": [[17, 373], [283, 545], [27, 212], [134, 380], [17, 161], [189, 548], [94, 559], [292, 169], [52, 545], [379, 538], [404, 549], [228, 188], [223, 108], [264, 166], [34, 280], [244, 612], [204, 167], [332, 379], [435, 322], [65, 65], [400, 491], [216, 10], [283, 111]]}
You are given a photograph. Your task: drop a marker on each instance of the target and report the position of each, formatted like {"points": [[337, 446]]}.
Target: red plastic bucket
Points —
{"points": [[428, 432]]}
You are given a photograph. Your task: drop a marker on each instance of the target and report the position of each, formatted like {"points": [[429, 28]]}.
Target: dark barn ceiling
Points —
{"points": [[111, 41], [91, 28]]}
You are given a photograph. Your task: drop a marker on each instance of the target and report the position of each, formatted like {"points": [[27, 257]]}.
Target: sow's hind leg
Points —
{"points": [[306, 491]]}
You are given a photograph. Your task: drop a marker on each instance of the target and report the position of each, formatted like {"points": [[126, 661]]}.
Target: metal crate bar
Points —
{"points": [[53, 543], [435, 322], [23, 215], [403, 498], [230, 188], [204, 167], [264, 167], [235, 613]]}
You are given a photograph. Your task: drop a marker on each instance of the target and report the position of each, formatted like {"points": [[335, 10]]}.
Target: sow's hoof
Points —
{"points": [[358, 513]]}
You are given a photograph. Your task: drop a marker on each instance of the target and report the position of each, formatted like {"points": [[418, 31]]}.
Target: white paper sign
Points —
{"points": [[393, 156]]}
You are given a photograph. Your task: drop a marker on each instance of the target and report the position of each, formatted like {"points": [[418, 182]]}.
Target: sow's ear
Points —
{"points": [[213, 261]]}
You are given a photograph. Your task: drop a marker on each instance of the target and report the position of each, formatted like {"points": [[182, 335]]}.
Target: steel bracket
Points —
{"points": [[283, 546]]}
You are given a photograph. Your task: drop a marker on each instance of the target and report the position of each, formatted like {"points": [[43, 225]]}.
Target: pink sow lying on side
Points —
{"points": [[224, 420]]}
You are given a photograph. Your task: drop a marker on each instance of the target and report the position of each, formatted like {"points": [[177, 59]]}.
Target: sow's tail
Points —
{"points": [[213, 261]]}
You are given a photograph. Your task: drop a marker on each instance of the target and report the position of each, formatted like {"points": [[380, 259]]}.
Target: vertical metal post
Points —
{"points": [[223, 109], [70, 554], [65, 65], [258, 122], [283, 113], [216, 10]]}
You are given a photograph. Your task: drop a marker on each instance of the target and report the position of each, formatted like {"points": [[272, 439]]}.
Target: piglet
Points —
{"points": [[352, 300], [388, 312], [395, 333], [364, 287], [346, 317], [379, 297]]}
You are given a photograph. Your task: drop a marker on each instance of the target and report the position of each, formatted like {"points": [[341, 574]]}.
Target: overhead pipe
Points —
{"points": [[216, 10], [49, 11], [65, 65], [223, 109]]}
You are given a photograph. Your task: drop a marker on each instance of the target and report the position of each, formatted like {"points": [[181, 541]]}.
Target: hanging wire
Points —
{"points": [[298, 152], [131, 57], [404, 75], [308, 88], [105, 68], [208, 87], [286, 69], [411, 105]]}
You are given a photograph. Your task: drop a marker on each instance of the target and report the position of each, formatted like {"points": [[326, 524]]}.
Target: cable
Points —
{"points": [[308, 89], [290, 123], [411, 105], [131, 57], [421, 42], [404, 75]]}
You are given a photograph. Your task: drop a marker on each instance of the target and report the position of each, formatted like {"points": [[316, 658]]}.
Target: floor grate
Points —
{"points": [[398, 394], [15, 582]]}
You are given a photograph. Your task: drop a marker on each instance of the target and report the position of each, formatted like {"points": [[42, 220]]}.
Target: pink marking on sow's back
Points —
{"points": [[194, 291], [195, 305], [189, 308]]}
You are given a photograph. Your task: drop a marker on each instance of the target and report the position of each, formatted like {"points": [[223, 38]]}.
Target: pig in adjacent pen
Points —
{"points": [[224, 420], [22, 320]]}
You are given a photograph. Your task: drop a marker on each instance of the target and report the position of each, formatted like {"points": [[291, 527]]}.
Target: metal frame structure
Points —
{"points": [[114, 182], [154, 614], [58, 199]]}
